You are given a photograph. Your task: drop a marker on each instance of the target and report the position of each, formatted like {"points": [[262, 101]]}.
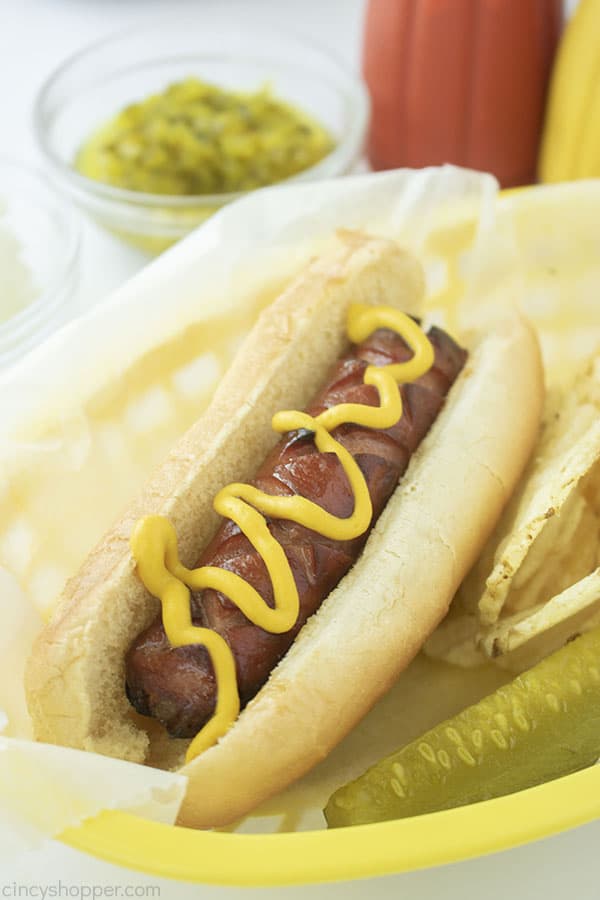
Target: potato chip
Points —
{"points": [[537, 582], [577, 607]]}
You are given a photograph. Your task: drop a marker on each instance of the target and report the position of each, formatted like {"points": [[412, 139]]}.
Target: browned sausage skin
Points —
{"points": [[176, 685]]}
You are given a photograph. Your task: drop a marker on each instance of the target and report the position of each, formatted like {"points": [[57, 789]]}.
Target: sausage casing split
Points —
{"points": [[176, 686]]}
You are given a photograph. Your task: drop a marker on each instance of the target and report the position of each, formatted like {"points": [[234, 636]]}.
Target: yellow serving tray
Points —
{"points": [[391, 847], [549, 236]]}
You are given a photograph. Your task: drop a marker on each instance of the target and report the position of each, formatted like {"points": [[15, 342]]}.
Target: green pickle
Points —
{"points": [[542, 725], [196, 139]]}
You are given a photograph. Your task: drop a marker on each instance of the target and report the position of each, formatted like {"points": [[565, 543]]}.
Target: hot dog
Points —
{"points": [[178, 686], [385, 584]]}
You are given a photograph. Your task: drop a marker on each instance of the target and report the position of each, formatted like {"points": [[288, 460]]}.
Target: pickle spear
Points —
{"points": [[544, 724]]}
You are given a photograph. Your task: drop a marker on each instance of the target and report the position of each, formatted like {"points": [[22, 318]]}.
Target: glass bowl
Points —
{"points": [[92, 86], [39, 253]]}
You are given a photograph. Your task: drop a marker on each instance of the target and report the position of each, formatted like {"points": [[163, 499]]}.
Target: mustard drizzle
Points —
{"points": [[154, 540]]}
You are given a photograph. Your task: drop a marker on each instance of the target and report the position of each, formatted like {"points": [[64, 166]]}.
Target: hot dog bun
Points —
{"points": [[374, 622]]}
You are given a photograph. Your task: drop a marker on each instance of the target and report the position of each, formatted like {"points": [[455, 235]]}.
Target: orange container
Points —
{"points": [[460, 81]]}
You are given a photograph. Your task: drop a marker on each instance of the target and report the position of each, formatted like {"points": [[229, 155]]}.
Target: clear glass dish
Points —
{"points": [[92, 86], [40, 237]]}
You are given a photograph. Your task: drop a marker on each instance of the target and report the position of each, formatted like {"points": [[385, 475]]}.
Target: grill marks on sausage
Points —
{"points": [[177, 685]]}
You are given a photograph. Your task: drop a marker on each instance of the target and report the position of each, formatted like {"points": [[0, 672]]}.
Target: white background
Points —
{"points": [[36, 35]]}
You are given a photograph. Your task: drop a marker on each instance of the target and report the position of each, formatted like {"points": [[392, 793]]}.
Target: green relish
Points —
{"points": [[196, 138]]}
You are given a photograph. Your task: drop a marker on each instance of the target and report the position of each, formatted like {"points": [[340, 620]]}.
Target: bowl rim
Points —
{"points": [[24, 324], [354, 88], [341, 854]]}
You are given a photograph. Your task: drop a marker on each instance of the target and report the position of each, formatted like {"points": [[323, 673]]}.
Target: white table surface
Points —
{"points": [[35, 35]]}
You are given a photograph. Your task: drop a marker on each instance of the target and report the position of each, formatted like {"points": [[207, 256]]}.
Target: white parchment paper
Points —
{"points": [[86, 416]]}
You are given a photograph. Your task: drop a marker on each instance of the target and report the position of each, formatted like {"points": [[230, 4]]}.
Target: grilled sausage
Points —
{"points": [[177, 685]]}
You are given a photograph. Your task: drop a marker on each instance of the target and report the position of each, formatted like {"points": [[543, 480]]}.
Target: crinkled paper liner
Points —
{"points": [[87, 415]]}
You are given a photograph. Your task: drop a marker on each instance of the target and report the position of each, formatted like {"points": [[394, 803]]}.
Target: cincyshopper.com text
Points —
{"points": [[61, 889]]}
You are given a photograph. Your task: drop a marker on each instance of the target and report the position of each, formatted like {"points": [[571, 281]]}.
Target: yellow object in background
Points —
{"points": [[571, 139]]}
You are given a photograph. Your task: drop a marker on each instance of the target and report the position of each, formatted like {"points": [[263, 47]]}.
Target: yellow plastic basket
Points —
{"points": [[360, 852], [541, 220]]}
